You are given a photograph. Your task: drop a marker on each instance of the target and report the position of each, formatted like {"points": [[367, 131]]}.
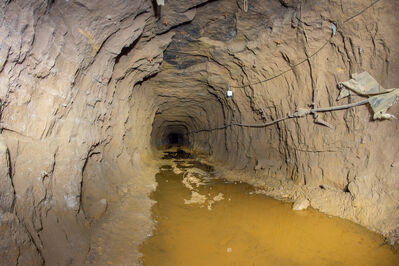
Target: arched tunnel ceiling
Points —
{"points": [[89, 85], [201, 62]]}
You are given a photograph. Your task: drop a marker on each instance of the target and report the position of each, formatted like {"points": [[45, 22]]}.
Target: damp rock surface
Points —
{"points": [[91, 90], [300, 204]]}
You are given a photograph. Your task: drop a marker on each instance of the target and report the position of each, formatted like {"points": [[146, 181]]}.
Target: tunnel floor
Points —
{"points": [[204, 220]]}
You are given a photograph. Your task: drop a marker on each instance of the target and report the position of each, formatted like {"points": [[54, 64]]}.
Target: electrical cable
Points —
{"points": [[302, 112], [297, 114], [309, 57]]}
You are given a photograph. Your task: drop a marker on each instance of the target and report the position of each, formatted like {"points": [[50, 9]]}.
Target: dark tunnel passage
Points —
{"points": [[175, 136], [171, 136], [272, 95], [181, 123], [175, 139]]}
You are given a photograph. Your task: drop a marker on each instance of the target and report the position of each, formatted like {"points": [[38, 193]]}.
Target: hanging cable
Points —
{"points": [[299, 113], [362, 11], [312, 55]]}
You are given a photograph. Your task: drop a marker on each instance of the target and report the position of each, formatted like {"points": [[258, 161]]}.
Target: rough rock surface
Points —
{"points": [[6, 189], [73, 113], [89, 88], [345, 169], [300, 204]]}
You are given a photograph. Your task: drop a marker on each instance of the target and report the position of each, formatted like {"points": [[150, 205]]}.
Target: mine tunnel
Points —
{"points": [[199, 132], [173, 136]]}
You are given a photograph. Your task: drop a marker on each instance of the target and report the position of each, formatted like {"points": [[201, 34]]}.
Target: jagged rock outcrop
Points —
{"points": [[343, 159], [64, 102], [7, 190]]}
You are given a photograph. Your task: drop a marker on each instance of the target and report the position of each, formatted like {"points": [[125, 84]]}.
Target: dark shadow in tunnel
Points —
{"points": [[174, 138], [170, 135]]}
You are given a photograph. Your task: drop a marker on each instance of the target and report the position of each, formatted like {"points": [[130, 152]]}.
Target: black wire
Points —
{"points": [[288, 70], [309, 57], [334, 108], [361, 12], [295, 115]]}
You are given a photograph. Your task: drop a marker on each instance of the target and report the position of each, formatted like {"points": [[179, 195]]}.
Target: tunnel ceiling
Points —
{"points": [[200, 63], [90, 87]]}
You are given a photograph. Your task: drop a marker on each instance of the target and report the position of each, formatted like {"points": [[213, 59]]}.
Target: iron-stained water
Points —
{"points": [[249, 229]]}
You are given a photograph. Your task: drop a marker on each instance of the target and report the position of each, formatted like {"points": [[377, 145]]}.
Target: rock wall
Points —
{"points": [[277, 57], [89, 87], [72, 107]]}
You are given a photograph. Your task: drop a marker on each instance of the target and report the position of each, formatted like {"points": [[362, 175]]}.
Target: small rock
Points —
{"points": [[391, 241], [196, 198], [99, 209], [219, 197], [300, 204]]}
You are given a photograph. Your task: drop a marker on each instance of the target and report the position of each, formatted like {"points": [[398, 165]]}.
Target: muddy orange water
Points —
{"points": [[244, 228]]}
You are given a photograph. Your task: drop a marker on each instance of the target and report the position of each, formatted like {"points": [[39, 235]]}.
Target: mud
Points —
{"points": [[89, 93], [231, 224]]}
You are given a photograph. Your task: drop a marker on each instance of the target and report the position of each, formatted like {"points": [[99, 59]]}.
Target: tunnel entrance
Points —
{"points": [[170, 135], [176, 139]]}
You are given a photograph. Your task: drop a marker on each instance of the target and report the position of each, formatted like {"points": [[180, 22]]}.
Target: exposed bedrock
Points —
{"points": [[89, 90]]}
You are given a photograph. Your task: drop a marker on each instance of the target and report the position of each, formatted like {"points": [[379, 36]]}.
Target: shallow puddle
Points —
{"points": [[230, 225]]}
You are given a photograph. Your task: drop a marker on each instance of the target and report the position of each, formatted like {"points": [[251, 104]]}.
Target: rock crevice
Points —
{"points": [[89, 90]]}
